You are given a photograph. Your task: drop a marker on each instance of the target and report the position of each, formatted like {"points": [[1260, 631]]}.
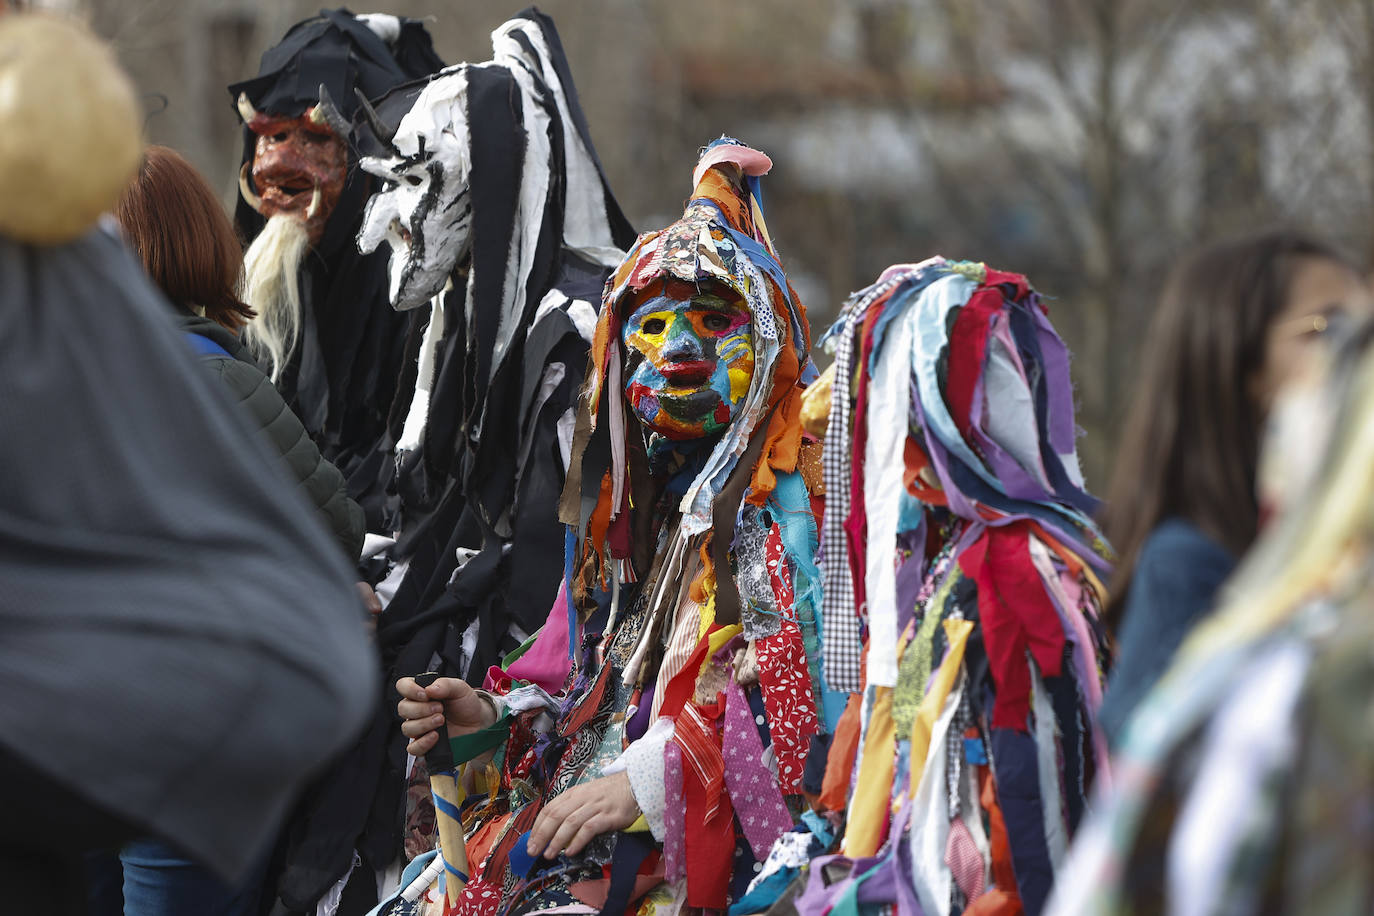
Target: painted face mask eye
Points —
{"points": [[715, 321]]}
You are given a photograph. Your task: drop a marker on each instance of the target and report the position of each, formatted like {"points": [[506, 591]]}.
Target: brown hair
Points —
{"points": [[1191, 439], [172, 219]]}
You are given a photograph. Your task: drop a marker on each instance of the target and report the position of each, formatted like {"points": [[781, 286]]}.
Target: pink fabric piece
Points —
{"points": [[754, 791], [546, 663], [750, 160], [964, 860], [674, 815]]}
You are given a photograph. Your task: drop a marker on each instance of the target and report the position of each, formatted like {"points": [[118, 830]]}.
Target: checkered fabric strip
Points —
{"points": [[842, 649]]}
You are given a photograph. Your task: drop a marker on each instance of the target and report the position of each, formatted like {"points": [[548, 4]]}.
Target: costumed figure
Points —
{"points": [[1245, 777], [650, 747], [332, 344], [324, 330], [502, 231], [957, 521]]}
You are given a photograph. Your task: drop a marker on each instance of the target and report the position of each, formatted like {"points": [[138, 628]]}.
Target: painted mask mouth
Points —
{"points": [[688, 375], [282, 198]]}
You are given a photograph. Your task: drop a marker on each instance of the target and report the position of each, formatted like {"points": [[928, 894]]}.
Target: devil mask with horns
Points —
{"points": [[299, 164]]}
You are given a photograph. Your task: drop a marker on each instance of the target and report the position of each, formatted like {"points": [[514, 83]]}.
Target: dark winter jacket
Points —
{"points": [[1175, 581], [319, 480]]}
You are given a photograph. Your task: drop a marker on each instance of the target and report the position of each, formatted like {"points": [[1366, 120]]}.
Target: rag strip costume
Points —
{"points": [[343, 374], [685, 635], [958, 540], [1246, 776]]}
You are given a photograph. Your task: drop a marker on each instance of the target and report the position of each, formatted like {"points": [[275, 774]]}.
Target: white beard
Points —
{"points": [[271, 268]]}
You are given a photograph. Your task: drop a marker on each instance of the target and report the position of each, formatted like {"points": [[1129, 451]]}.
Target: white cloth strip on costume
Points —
{"points": [[1047, 768], [584, 209], [930, 821], [884, 462], [534, 190], [417, 418], [841, 646]]}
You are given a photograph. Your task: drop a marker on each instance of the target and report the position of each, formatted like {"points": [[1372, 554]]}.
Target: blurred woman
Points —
{"points": [[1237, 320], [173, 221], [175, 225], [1246, 776]]}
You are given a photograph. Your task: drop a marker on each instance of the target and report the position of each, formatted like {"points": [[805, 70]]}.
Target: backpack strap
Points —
{"points": [[206, 347]]}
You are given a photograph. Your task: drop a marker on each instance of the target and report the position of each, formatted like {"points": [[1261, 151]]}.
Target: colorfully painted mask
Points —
{"points": [[689, 358], [299, 167]]}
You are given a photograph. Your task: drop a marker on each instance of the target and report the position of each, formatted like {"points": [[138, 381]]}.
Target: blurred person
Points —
{"points": [[172, 220], [180, 642], [1236, 321], [1247, 773]]}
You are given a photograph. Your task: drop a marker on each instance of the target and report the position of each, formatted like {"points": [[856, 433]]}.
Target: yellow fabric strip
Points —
{"points": [[872, 790], [956, 633]]}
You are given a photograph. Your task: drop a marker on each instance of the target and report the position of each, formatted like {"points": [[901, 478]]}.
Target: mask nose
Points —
{"points": [[281, 161], [683, 346]]}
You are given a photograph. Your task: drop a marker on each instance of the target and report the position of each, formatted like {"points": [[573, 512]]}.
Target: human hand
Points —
{"points": [[570, 821], [370, 600], [448, 700], [373, 604]]}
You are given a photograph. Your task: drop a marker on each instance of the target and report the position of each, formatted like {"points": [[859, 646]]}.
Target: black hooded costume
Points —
{"points": [[477, 500], [342, 377], [341, 380]]}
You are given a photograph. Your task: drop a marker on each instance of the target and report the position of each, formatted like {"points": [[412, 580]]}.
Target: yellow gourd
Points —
{"points": [[70, 129]]}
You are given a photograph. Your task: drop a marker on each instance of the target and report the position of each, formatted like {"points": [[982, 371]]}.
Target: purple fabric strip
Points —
{"points": [[639, 723], [753, 788], [958, 504], [1055, 362], [911, 574], [674, 815]]}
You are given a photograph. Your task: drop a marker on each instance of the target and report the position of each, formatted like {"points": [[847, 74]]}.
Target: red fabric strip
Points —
{"points": [[1015, 614], [968, 343]]}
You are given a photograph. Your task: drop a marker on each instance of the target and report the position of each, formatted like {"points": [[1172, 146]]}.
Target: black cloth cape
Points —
{"points": [[180, 640]]}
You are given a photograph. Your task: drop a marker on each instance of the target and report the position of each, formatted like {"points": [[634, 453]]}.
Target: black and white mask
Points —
{"points": [[424, 209]]}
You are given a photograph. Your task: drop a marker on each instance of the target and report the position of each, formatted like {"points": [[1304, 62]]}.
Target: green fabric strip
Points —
{"points": [[466, 747]]}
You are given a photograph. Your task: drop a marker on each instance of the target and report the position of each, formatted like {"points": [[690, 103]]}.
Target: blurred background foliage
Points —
{"points": [[1086, 143]]}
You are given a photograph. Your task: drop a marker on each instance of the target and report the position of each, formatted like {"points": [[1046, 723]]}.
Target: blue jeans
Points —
{"points": [[160, 881]]}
